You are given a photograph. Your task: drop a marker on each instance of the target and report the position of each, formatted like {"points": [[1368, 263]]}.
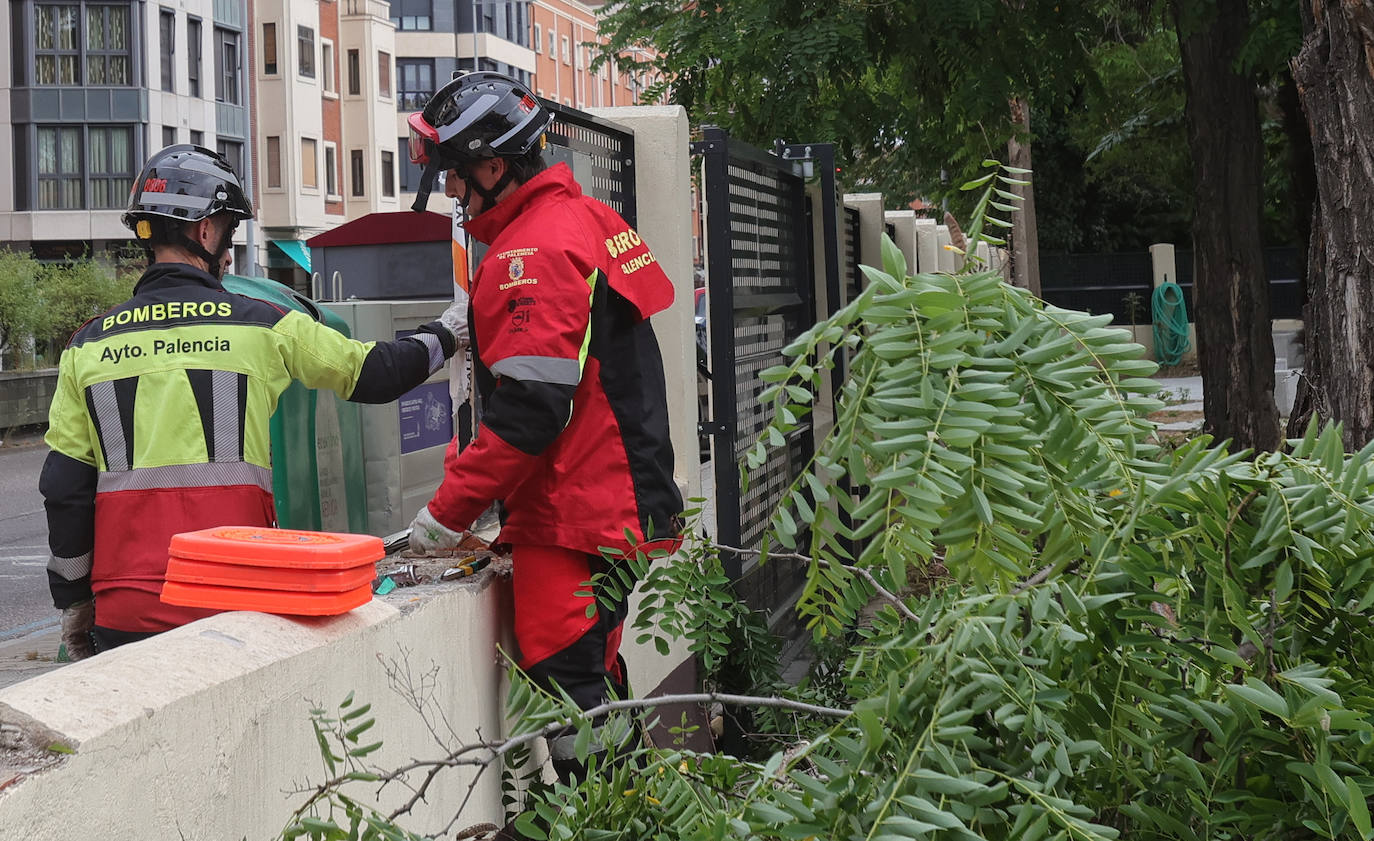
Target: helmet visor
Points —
{"points": [[422, 135]]}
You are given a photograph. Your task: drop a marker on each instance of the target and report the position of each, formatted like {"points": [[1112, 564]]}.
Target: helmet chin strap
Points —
{"points": [[214, 263], [489, 196], [426, 185]]}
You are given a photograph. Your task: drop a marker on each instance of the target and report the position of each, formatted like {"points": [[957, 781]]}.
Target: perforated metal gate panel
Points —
{"points": [[602, 156], [853, 253], [761, 297]]}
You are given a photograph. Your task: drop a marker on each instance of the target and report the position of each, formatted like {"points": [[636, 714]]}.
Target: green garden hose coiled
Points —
{"points": [[1171, 323]]}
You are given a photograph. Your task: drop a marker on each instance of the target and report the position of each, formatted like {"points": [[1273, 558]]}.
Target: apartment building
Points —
{"points": [[563, 38], [543, 43], [308, 99], [325, 145], [435, 38], [89, 90]]}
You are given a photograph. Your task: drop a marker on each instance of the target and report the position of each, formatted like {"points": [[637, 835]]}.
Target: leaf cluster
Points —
{"points": [[1186, 662], [908, 91]]}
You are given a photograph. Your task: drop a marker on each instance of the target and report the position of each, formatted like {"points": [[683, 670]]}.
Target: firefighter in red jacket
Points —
{"points": [[573, 437]]}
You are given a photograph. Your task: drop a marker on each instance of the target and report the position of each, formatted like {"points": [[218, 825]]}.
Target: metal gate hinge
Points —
{"points": [[711, 428]]}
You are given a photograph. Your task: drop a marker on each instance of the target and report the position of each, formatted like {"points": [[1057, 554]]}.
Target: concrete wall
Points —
{"points": [[904, 224], [871, 226], [198, 733], [25, 395]]}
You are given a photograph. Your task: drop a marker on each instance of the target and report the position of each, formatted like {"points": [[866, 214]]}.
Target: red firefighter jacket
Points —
{"points": [[574, 429]]}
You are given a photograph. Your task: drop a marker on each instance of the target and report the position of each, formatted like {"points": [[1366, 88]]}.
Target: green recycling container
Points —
{"points": [[317, 443]]}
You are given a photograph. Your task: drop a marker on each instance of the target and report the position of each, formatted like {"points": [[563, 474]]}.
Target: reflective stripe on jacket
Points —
{"points": [[574, 430]]}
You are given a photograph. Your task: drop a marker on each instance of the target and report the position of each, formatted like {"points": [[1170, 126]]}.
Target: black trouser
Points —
{"points": [[107, 638]]}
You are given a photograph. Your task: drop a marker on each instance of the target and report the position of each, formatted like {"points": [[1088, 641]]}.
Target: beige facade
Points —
{"points": [[324, 105]]}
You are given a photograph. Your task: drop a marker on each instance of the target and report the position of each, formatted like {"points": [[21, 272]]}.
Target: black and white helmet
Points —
{"points": [[182, 184], [476, 116]]}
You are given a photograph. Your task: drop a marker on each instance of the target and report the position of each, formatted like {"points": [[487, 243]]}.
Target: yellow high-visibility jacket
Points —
{"points": [[160, 426]]}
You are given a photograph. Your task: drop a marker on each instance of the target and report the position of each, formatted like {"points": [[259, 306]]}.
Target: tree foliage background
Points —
{"points": [[916, 95], [44, 303]]}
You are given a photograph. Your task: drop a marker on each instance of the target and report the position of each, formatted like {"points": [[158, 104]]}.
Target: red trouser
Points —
{"points": [[559, 643]]}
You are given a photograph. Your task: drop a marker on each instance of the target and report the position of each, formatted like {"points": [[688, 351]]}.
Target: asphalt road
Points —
{"points": [[24, 603]]}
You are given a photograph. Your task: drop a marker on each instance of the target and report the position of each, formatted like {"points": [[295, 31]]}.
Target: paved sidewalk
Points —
{"points": [[29, 656]]}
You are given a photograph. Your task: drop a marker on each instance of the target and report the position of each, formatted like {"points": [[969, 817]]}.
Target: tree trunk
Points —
{"points": [[1025, 240], [1230, 291], [1335, 76]]}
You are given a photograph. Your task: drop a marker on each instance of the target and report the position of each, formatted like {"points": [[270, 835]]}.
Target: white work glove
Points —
{"points": [[77, 622], [455, 320], [428, 536]]}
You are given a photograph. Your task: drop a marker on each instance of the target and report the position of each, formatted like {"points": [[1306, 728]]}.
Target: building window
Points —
{"points": [[274, 162], [567, 55], [327, 66], [108, 49], [389, 174], [59, 168], [538, 38], [310, 176], [57, 47], [384, 74], [111, 165], [331, 171], [167, 29], [197, 138], [354, 74], [231, 151], [553, 44], [169, 136], [412, 15], [357, 169], [193, 55], [227, 62], [269, 49], [305, 49], [415, 78]]}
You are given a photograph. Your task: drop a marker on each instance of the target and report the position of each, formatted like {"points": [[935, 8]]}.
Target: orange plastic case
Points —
{"points": [[267, 601], [190, 571], [267, 547], [301, 573]]}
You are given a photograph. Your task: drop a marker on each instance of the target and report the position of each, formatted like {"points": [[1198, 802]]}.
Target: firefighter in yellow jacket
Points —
{"points": [[160, 421]]}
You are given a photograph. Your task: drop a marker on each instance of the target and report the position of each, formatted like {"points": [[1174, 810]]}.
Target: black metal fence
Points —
{"points": [[761, 297], [1121, 284]]}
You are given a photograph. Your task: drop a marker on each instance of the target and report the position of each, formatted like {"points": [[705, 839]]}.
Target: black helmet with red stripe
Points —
{"points": [[477, 115]]}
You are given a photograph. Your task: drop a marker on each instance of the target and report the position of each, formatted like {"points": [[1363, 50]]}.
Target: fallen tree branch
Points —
{"points": [[481, 754], [886, 594]]}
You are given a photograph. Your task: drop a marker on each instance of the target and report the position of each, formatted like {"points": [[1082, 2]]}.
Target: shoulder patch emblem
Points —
{"points": [[517, 268]]}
